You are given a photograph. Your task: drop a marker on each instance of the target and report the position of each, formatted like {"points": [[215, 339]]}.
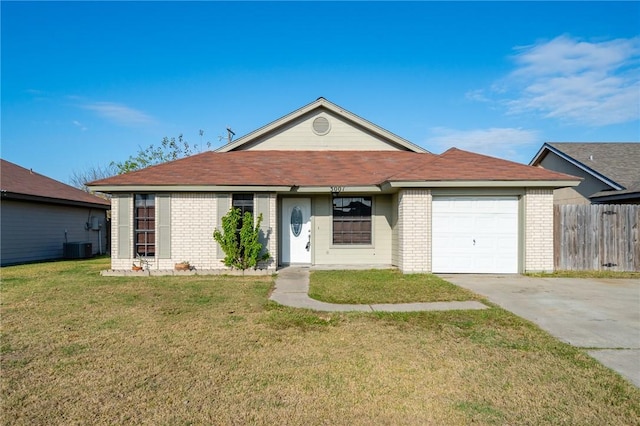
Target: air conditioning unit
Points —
{"points": [[77, 250]]}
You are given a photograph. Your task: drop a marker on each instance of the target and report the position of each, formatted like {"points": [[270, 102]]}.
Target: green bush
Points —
{"points": [[242, 249]]}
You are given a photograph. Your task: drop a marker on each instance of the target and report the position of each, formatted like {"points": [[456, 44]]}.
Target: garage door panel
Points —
{"points": [[506, 242], [484, 224], [454, 242], [461, 263], [475, 234]]}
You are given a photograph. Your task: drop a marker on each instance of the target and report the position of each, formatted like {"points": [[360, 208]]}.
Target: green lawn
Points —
{"points": [[77, 348], [383, 286]]}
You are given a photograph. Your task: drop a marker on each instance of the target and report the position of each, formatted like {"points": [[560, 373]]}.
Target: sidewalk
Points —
{"points": [[292, 288]]}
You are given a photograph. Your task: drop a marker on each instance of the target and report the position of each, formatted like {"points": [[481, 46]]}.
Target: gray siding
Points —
{"points": [[378, 253], [395, 257], [223, 206], [263, 208], [576, 195], [163, 207], [36, 231], [125, 222]]}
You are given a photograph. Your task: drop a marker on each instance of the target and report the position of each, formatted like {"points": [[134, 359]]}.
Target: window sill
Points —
{"points": [[351, 246]]}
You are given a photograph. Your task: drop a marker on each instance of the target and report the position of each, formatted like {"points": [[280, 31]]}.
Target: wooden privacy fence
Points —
{"points": [[597, 237]]}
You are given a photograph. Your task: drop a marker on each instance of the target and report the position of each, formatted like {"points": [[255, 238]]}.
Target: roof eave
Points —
{"points": [[548, 148], [191, 188], [386, 186], [350, 189], [7, 195], [481, 184], [307, 189], [615, 197], [539, 155], [320, 102]]}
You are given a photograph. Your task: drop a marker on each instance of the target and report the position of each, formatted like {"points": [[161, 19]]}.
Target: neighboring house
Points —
{"points": [[38, 215], [610, 171], [335, 189]]}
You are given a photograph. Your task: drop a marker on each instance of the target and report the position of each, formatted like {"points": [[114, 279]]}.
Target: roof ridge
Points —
{"points": [[335, 109], [431, 158], [329, 168]]}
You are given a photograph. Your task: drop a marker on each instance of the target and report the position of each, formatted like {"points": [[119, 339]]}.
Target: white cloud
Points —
{"points": [[120, 114], [79, 125], [565, 55], [497, 142], [592, 83], [477, 95]]}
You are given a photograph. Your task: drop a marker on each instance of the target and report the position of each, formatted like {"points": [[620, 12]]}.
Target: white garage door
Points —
{"points": [[475, 235]]}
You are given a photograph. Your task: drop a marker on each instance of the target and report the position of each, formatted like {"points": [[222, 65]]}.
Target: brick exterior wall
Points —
{"points": [[414, 230], [193, 217], [538, 230], [193, 220]]}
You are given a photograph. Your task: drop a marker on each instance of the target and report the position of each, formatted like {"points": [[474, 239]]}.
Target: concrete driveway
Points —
{"points": [[600, 315]]}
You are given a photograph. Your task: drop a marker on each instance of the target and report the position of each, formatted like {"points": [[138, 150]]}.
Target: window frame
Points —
{"points": [[148, 230], [241, 200], [351, 244]]}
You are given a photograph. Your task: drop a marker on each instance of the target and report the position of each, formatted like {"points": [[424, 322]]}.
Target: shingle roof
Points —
{"points": [[614, 163], [456, 164], [18, 182], [329, 168], [619, 162]]}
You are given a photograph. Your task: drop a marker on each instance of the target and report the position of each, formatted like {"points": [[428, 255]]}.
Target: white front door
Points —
{"points": [[296, 230], [475, 234]]}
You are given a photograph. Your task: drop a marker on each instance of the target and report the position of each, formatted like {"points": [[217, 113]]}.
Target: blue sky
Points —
{"points": [[87, 83]]}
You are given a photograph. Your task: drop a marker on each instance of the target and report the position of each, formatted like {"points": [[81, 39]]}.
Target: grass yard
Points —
{"points": [[383, 286], [78, 348]]}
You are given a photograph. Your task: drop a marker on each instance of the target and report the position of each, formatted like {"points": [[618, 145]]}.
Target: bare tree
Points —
{"points": [[168, 150], [80, 178]]}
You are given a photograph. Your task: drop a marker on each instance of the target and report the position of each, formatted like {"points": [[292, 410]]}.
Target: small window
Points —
{"points": [[296, 221], [244, 202], [144, 218], [352, 220]]}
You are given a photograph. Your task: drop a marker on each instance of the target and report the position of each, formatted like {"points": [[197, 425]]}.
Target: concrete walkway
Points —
{"points": [[601, 316], [292, 288]]}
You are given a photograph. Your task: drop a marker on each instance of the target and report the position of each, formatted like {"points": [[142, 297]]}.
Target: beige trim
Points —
{"points": [[321, 103], [522, 232], [478, 192], [191, 188], [481, 184], [384, 188], [343, 189]]}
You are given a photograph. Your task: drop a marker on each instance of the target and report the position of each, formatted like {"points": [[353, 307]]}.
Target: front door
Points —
{"points": [[296, 230]]}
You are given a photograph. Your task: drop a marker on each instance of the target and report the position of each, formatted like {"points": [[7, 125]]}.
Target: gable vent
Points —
{"points": [[321, 126]]}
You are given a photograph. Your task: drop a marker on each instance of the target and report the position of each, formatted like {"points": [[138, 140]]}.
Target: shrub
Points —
{"points": [[242, 248]]}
